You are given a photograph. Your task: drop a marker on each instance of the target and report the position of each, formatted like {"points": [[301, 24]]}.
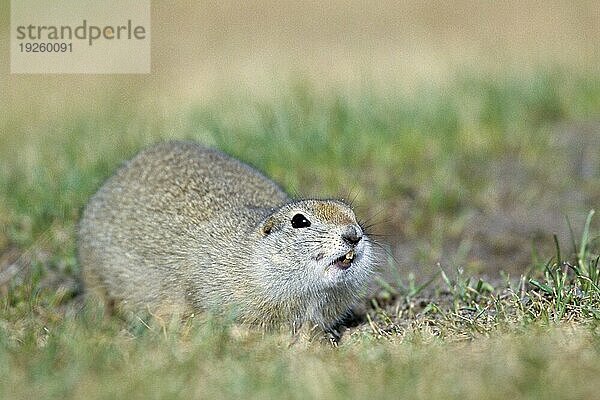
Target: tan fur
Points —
{"points": [[181, 228]]}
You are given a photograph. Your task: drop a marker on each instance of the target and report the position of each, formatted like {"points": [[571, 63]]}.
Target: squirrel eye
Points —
{"points": [[300, 221]]}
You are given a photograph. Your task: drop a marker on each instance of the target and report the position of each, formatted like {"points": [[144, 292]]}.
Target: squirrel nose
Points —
{"points": [[352, 234]]}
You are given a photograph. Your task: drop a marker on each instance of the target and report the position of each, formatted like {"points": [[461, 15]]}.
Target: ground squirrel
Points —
{"points": [[187, 228]]}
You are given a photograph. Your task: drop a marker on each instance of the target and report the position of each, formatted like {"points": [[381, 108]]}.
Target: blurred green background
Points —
{"points": [[467, 131]]}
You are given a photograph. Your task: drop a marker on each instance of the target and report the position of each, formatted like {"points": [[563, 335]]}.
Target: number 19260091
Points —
{"points": [[36, 47]]}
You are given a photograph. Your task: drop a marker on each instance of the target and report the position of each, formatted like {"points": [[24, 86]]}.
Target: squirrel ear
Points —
{"points": [[267, 226]]}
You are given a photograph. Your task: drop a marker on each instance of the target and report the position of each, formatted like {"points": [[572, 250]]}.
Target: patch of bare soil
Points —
{"points": [[525, 201]]}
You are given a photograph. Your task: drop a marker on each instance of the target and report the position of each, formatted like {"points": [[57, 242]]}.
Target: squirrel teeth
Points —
{"points": [[346, 260]]}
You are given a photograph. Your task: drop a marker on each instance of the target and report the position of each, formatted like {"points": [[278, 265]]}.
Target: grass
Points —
{"points": [[460, 179]]}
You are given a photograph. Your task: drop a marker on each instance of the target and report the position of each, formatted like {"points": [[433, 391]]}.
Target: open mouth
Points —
{"points": [[344, 261]]}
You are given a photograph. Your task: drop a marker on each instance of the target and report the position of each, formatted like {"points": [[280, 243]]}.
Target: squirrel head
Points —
{"points": [[315, 244]]}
